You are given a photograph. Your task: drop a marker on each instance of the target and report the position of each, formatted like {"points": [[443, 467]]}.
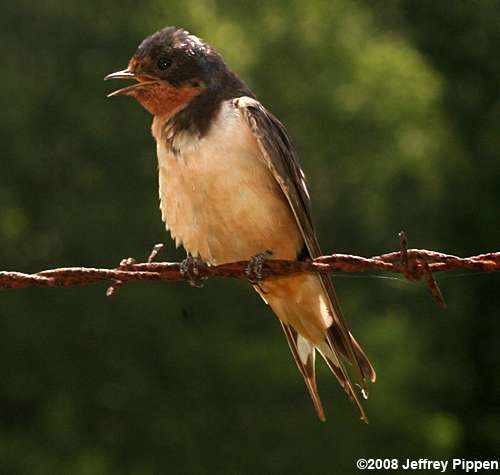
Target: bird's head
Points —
{"points": [[171, 67]]}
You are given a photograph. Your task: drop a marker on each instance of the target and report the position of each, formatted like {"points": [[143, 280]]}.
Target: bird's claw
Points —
{"points": [[254, 267], [191, 268]]}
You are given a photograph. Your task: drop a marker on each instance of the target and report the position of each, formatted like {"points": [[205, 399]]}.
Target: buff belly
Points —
{"points": [[218, 198]]}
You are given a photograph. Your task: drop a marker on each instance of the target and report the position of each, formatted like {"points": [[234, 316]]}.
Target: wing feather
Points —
{"points": [[280, 157]]}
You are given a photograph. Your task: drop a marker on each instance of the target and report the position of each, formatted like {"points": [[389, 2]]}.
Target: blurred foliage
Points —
{"points": [[394, 108]]}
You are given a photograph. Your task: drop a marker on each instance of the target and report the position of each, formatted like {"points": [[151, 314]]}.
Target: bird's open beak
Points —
{"points": [[142, 80]]}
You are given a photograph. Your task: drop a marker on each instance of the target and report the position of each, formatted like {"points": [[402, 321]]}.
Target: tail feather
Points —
{"points": [[366, 367], [367, 370], [339, 336], [328, 353], [310, 322], [304, 355]]}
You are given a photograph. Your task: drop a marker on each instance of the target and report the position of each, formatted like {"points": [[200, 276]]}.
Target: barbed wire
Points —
{"points": [[414, 264]]}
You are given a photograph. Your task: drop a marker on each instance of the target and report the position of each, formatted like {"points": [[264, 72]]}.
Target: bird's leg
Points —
{"points": [[190, 270], [254, 268]]}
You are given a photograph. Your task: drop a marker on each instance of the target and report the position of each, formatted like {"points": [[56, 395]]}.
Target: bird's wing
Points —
{"points": [[279, 155]]}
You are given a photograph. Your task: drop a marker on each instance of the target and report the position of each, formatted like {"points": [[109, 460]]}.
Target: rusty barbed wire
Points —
{"points": [[414, 264]]}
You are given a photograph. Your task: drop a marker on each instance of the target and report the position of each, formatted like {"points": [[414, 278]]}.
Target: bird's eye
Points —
{"points": [[163, 63]]}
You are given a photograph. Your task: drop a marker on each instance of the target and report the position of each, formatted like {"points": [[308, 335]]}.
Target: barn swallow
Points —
{"points": [[231, 188]]}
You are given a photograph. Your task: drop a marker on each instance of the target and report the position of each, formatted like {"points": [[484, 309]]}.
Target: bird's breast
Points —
{"points": [[217, 196]]}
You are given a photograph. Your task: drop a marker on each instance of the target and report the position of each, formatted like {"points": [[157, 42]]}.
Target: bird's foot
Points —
{"points": [[254, 267], [191, 268]]}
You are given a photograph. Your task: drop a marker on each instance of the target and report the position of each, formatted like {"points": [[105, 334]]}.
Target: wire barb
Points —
{"points": [[417, 268], [124, 264], [157, 248]]}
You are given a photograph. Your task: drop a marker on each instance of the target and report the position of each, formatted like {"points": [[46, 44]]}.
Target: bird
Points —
{"points": [[231, 189]]}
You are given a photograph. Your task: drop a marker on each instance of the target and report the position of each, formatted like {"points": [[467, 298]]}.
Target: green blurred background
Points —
{"points": [[394, 108]]}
